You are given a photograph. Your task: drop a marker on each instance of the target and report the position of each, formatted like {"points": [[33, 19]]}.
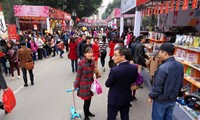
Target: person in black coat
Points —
{"points": [[139, 54], [119, 83], [3, 86]]}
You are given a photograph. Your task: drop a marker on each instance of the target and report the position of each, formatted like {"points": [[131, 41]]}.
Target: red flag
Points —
{"points": [[155, 10], [172, 6], [161, 8], [177, 5], [194, 4], [166, 7], [185, 5]]}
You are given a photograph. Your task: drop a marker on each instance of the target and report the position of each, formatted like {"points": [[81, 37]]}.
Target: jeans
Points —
{"points": [[25, 75], [162, 110], [74, 63], [40, 52], [103, 56], [61, 51], [34, 56]]}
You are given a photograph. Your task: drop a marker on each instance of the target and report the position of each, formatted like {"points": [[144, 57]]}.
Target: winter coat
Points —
{"points": [[96, 52], [84, 78], [34, 46], [72, 51], [111, 46], [24, 55], [12, 55]]}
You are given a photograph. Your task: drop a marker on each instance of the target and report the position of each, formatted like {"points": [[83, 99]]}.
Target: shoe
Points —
{"points": [[104, 69], [130, 105], [134, 98], [91, 115], [6, 112], [61, 56], [25, 85], [8, 74], [1, 106], [86, 118], [12, 78], [18, 77], [32, 83]]}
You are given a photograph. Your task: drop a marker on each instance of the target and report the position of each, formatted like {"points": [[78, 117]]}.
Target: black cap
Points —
{"points": [[168, 47]]}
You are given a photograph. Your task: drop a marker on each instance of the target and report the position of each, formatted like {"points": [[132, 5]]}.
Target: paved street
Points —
{"points": [[48, 100]]}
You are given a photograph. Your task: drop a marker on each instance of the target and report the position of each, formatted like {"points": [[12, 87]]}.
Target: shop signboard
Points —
{"points": [[127, 5], [140, 2], [25, 10], [67, 16], [12, 32], [129, 15]]}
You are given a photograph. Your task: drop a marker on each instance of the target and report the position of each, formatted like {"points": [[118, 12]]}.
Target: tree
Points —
{"points": [[7, 6], [110, 8], [83, 8]]}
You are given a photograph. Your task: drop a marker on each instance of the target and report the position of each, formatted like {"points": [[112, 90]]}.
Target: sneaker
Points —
{"points": [[18, 77], [104, 69], [12, 78]]}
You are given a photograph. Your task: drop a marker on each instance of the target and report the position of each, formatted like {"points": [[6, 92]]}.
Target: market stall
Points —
{"points": [[178, 22], [40, 18]]}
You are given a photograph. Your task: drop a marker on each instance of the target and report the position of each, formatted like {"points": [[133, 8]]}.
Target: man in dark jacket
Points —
{"points": [[168, 82], [80, 47], [3, 86], [119, 81], [139, 54]]}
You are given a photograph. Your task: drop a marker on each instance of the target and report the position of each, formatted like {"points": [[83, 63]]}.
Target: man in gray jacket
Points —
{"points": [[167, 84]]}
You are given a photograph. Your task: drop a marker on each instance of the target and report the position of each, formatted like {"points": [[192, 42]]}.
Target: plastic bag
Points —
{"points": [[96, 87], [9, 100]]}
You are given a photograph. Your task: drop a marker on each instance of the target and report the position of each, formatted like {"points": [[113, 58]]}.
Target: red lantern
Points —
{"points": [[185, 5], [177, 5], [172, 6]]}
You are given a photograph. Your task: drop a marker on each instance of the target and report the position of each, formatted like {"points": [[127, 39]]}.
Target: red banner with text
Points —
{"points": [[12, 32], [140, 2]]}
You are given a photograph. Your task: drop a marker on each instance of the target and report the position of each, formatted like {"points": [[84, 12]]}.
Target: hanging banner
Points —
{"points": [[12, 32], [140, 2], [158, 9], [161, 8], [185, 4], [177, 5], [167, 7], [155, 8], [175, 17], [149, 10], [172, 6], [194, 4]]}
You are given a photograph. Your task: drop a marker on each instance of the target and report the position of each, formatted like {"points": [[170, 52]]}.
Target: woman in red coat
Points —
{"points": [[112, 46], [96, 52], [84, 79], [72, 54]]}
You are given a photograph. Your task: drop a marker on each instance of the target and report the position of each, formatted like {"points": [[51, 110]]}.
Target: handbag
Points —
{"points": [[29, 65], [9, 100], [96, 87]]}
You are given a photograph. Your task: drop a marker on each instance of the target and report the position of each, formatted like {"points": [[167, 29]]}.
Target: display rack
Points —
{"points": [[190, 58]]}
